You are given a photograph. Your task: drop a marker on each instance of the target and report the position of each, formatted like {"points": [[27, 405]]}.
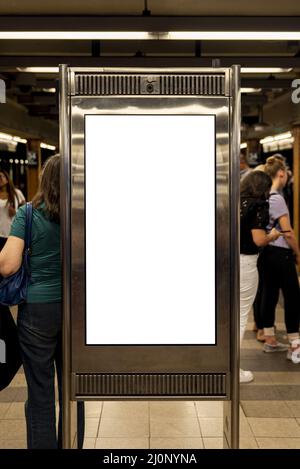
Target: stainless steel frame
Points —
{"points": [[189, 372]]}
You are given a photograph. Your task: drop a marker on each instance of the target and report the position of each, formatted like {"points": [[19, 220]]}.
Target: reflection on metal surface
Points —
{"points": [[158, 359]]}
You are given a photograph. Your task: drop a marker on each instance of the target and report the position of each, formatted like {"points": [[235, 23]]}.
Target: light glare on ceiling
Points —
{"points": [[265, 70], [250, 90], [145, 35]]}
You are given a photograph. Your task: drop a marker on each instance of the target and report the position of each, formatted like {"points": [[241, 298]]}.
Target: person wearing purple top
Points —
{"points": [[279, 272]]}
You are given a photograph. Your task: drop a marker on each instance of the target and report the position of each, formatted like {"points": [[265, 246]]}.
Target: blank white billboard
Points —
{"points": [[150, 229]]}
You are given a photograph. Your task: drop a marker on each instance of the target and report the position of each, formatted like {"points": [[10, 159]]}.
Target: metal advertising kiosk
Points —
{"points": [[149, 185]]}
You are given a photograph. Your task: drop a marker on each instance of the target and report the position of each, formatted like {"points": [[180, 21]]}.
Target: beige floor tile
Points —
{"points": [[248, 443], [278, 443], [21, 394], [211, 427], [91, 427], [210, 409], [93, 409], [261, 377], [8, 394], [13, 444], [16, 411], [174, 427], [176, 443], [122, 443], [213, 443], [277, 427], [294, 407], [19, 381], [252, 344], [4, 406], [125, 410], [89, 443], [10, 429], [172, 409], [285, 377], [266, 409], [245, 429], [125, 427]]}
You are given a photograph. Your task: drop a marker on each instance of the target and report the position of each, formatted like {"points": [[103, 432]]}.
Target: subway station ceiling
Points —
{"points": [[157, 7], [35, 93]]}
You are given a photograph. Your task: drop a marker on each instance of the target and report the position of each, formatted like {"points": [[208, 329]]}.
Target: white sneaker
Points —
{"points": [[246, 376], [294, 351]]}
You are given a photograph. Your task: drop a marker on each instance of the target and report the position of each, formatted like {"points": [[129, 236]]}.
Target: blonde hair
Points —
{"points": [[260, 167], [274, 164]]}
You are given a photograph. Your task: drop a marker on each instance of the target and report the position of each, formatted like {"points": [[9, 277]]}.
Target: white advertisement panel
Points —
{"points": [[150, 229]]}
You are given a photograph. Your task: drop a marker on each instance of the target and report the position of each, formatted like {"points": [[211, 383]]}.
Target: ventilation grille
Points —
{"points": [[103, 85], [107, 84], [193, 84], [150, 385]]}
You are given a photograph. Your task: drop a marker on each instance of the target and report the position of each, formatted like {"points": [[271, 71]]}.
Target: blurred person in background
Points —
{"points": [[244, 166], [11, 199]]}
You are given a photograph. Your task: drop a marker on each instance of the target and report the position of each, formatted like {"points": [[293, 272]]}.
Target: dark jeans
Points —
{"points": [[40, 336], [279, 273]]}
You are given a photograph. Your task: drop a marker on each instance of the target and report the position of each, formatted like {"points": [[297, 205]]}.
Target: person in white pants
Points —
{"points": [[254, 218]]}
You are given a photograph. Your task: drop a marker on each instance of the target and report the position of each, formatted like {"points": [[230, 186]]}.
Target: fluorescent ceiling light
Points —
{"points": [[78, 35], [278, 137], [12, 138], [283, 136], [243, 145], [38, 69], [250, 90], [47, 147], [235, 35], [144, 35], [265, 70], [49, 90]]}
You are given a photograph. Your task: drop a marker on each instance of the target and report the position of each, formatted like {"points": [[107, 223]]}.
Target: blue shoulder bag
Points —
{"points": [[13, 289]]}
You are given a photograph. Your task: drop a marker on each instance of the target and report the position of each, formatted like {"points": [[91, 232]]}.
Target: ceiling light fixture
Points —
{"points": [[277, 142], [144, 35], [235, 35], [278, 137], [12, 138], [47, 147], [265, 70], [38, 69], [250, 90], [49, 90]]}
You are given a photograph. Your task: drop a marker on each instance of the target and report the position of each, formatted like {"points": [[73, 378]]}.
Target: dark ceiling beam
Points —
{"points": [[149, 23], [268, 83], [11, 62]]}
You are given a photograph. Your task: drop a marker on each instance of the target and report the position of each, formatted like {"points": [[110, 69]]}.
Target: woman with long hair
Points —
{"points": [[40, 317], [254, 218], [10, 200], [279, 271]]}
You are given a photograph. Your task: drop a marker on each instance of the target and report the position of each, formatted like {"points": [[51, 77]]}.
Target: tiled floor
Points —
{"points": [[270, 412]]}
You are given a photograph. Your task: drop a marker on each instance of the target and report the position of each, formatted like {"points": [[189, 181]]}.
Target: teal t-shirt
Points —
{"points": [[45, 261]]}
